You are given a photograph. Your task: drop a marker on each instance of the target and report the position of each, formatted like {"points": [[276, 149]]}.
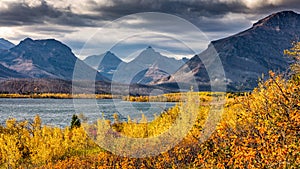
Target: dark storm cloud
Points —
{"points": [[185, 9], [22, 14], [208, 15], [194, 11]]}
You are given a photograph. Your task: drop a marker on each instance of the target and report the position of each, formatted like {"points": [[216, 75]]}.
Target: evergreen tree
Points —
{"points": [[75, 121]]}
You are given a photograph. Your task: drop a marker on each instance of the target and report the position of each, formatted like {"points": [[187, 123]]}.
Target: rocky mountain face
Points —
{"points": [[46, 59], [8, 73], [106, 63], [149, 76], [5, 44], [244, 56], [150, 58], [4, 71]]}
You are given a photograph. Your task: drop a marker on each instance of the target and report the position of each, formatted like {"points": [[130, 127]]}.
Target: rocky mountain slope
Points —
{"points": [[46, 59], [8, 73], [244, 56], [106, 63], [5, 44]]}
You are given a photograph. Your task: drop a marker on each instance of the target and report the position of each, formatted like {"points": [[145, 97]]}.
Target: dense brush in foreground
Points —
{"points": [[260, 130]]}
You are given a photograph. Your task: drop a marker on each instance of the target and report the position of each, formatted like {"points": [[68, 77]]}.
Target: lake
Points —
{"points": [[58, 112]]}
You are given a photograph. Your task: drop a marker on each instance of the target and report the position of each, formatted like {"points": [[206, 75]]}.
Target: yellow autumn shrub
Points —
{"points": [[24, 143]]}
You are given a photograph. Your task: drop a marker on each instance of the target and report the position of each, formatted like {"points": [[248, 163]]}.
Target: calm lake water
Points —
{"points": [[58, 112]]}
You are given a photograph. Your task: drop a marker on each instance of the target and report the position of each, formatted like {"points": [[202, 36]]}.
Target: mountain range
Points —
{"points": [[148, 67], [244, 57]]}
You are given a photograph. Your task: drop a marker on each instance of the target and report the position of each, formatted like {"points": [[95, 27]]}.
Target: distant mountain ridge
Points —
{"points": [[106, 63], [45, 59], [246, 55], [5, 44], [150, 58], [132, 72], [149, 66]]}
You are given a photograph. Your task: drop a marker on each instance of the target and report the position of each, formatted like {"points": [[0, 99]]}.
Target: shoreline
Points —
{"points": [[60, 96]]}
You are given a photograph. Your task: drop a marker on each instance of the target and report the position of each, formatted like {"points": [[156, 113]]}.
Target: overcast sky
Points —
{"points": [[114, 25]]}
